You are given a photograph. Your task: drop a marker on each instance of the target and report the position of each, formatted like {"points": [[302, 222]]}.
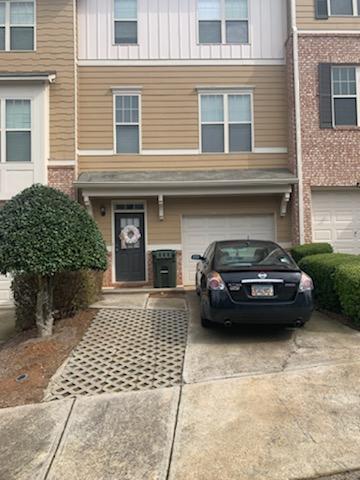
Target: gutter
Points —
{"points": [[299, 164]]}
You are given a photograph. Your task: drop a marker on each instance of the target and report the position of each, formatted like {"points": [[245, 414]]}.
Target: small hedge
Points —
{"points": [[322, 269], [73, 291], [308, 249], [347, 285]]}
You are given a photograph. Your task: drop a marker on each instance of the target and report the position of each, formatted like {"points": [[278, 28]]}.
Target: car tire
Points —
{"points": [[205, 323], [197, 288]]}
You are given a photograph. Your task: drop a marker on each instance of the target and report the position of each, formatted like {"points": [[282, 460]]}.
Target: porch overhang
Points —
{"points": [[161, 184], [48, 77]]}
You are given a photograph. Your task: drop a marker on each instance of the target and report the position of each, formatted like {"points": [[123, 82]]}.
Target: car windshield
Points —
{"points": [[252, 255]]}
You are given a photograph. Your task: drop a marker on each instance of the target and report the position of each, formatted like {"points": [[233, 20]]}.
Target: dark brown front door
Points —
{"points": [[130, 257]]}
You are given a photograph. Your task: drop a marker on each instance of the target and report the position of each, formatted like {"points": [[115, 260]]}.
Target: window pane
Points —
{"points": [[22, 38], [21, 13], [345, 111], [212, 108], [18, 114], [209, 32], [341, 7], [237, 32], [125, 32], [344, 81], [127, 109], [236, 9], [126, 9], [212, 138], [2, 13], [209, 9], [127, 139], [2, 38], [239, 108], [18, 146], [240, 138]]}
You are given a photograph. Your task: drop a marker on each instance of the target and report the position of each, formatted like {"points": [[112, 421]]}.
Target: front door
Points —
{"points": [[130, 247]]}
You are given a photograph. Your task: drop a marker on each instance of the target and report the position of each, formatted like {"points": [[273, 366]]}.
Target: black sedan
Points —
{"points": [[253, 282]]}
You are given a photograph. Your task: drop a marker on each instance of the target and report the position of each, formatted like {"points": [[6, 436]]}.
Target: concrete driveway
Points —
{"points": [[254, 404]]}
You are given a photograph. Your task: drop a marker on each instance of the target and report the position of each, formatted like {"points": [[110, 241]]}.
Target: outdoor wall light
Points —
{"points": [[103, 211]]}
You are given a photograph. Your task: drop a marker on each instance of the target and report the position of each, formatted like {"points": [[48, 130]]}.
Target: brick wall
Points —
{"points": [[62, 178], [331, 157]]}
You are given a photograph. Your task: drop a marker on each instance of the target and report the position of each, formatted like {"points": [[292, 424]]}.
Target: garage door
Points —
{"points": [[199, 231], [336, 219], [5, 292]]}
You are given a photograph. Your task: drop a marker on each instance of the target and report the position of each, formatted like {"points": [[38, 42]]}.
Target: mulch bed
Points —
{"points": [[37, 358]]}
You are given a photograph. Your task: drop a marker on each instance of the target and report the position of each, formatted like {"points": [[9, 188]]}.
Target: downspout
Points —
{"points": [[295, 36]]}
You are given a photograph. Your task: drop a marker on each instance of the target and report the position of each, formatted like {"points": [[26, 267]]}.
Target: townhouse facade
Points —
{"points": [[183, 128], [326, 150], [185, 121]]}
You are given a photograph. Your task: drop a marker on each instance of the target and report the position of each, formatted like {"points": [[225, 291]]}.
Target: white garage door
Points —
{"points": [[5, 292], [199, 231], [336, 219]]}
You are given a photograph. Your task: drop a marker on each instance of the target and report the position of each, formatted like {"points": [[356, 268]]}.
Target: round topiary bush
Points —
{"points": [[44, 232]]}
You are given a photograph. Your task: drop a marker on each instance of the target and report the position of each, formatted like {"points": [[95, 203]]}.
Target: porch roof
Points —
{"points": [[194, 182], [28, 76]]}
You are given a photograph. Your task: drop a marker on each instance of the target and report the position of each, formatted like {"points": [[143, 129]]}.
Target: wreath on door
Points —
{"points": [[130, 235]]}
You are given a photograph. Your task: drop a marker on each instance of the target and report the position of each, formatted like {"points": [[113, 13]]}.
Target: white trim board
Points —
{"points": [[179, 152], [174, 63]]}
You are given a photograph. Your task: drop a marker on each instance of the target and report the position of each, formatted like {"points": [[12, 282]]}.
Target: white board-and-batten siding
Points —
{"points": [[168, 31]]}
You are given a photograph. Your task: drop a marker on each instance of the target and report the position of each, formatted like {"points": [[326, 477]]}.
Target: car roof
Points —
{"points": [[246, 240]]}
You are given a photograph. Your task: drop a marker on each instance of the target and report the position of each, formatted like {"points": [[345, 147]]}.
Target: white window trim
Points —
{"points": [[8, 26], [127, 93], [225, 94], [223, 21], [118, 19], [354, 14], [4, 129], [356, 95]]}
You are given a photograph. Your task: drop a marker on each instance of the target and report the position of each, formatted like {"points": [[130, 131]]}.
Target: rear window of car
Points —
{"points": [[252, 255]]}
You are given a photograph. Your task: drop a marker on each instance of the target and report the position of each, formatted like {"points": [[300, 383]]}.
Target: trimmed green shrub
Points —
{"points": [[43, 232], [73, 291], [308, 249], [347, 284], [322, 269]]}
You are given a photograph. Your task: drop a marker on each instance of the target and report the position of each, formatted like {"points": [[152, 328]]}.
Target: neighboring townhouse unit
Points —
{"points": [[326, 35], [37, 97], [182, 127]]}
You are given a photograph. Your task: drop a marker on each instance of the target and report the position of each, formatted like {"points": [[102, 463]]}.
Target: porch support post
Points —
{"points": [[284, 204], [161, 207], [88, 205]]}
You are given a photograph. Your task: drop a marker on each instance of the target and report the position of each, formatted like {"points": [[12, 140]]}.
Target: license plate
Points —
{"points": [[262, 290]]}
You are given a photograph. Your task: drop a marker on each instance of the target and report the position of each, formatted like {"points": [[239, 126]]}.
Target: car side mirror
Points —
{"points": [[197, 257]]}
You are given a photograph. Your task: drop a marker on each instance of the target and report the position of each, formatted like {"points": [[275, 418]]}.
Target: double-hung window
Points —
{"points": [[125, 22], [344, 7], [17, 25], [127, 119], [226, 122], [223, 21], [344, 95], [15, 130]]}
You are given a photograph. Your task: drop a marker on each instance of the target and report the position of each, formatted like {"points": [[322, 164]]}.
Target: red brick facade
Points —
{"points": [[331, 157], [62, 178]]}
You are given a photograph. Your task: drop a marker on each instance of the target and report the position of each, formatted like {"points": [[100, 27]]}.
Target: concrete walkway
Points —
{"points": [[7, 324], [254, 405]]}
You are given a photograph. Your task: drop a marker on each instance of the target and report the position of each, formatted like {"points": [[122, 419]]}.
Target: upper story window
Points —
{"points": [[126, 24], [226, 122], [15, 132], [17, 25], [344, 95], [127, 123], [223, 21]]}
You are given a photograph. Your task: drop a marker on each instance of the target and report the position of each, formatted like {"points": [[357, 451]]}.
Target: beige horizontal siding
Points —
{"points": [[170, 109], [168, 231], [54, 52], [306, 19], [183, 162]]}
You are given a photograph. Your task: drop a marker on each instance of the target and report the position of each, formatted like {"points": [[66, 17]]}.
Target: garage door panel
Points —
{"points": [[199, 231], [336, 219]]}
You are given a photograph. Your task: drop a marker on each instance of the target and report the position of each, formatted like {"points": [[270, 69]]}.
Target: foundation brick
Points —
{"points": [[62, 179]]}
